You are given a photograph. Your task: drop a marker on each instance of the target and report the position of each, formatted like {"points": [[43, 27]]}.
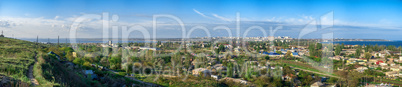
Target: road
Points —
{"points": [[321, 73], [325, 74], [132, 78], [144, 83], [34, 82]]}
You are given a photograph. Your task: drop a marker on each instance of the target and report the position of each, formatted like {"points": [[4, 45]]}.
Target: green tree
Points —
{"points": [[266, 57], [229, 70], [78, 61], [358, 51], [279, 52], [287, 70], [367, 55], [338, 50], [221, 48], [288, 55], [307, 80], [115, 62]]}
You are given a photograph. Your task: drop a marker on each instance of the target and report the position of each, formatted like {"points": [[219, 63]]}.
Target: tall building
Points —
{"points": [[110, 43]]}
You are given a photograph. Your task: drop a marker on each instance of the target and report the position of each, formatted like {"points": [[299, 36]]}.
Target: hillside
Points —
{"points": [[25, 64], [19, 66], [15, 58]]}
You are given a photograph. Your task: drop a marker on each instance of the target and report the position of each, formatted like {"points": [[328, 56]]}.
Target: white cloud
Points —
{"points": [[202, 14], [56, 17], [222, 18], [214, 15]]}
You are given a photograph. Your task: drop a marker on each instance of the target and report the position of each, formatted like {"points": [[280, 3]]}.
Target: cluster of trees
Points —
{"points": [[259, 46], [338, 49], [282, 43], [315, 50], [221, 48]]}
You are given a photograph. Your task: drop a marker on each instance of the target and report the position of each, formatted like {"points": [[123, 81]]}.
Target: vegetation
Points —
{"points": [[15, 58]]}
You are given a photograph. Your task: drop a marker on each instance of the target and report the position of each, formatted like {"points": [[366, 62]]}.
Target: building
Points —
{"points": [[295, 54], [271, 54], [392, 73], [394, 68], [74, 54], [110, 43], [244, 82], [206, 72], [317, 84], [216, 77], [361, 69], [90, 74], [400, 59], [57, 56], [148, 48]]}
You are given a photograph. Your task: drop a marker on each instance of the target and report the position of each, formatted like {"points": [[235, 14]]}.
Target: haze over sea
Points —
{"points": [[386, 43], [81, 40]]}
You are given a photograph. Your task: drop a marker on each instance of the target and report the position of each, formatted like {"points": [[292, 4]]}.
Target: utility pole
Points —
{"points": [[48, 41], [37, 43], [66, 42], [58, 41]]}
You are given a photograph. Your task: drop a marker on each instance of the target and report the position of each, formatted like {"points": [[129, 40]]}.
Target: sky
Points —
{"points": [[357, 19]]}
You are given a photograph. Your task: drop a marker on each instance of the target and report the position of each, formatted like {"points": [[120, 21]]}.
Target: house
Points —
{"points": [[206, 72], [395, 52], [219, 67], [244, 82], [90, 74], [216, 77], [395, 68], [57, 56], [379, 54], [392, 73], [287, 77], [148, 48], [373, 66], [400, 59], [271, 54], [295, 54], [379, 62], [317, 84], [390, 59], [361, 69], [74, 54]]}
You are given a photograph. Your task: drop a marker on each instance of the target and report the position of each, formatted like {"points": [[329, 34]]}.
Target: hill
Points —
{"points": [[15, 58], [18, 66]]}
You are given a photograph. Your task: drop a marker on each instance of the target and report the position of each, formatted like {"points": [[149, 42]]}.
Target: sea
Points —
{"points": [[83, 40], [386, 43]]}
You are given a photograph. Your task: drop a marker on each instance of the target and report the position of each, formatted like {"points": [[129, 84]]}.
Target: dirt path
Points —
{"points": [[34, 82], [325, 74]]}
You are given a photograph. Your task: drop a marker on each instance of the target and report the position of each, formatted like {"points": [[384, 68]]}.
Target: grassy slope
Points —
{"points": [[15, 57]]}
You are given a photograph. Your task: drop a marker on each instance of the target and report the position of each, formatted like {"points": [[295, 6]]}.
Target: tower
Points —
{"points": [[1, 34]]}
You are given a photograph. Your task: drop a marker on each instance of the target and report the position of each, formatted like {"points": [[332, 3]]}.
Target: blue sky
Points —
{"points": [[364, 19]]}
